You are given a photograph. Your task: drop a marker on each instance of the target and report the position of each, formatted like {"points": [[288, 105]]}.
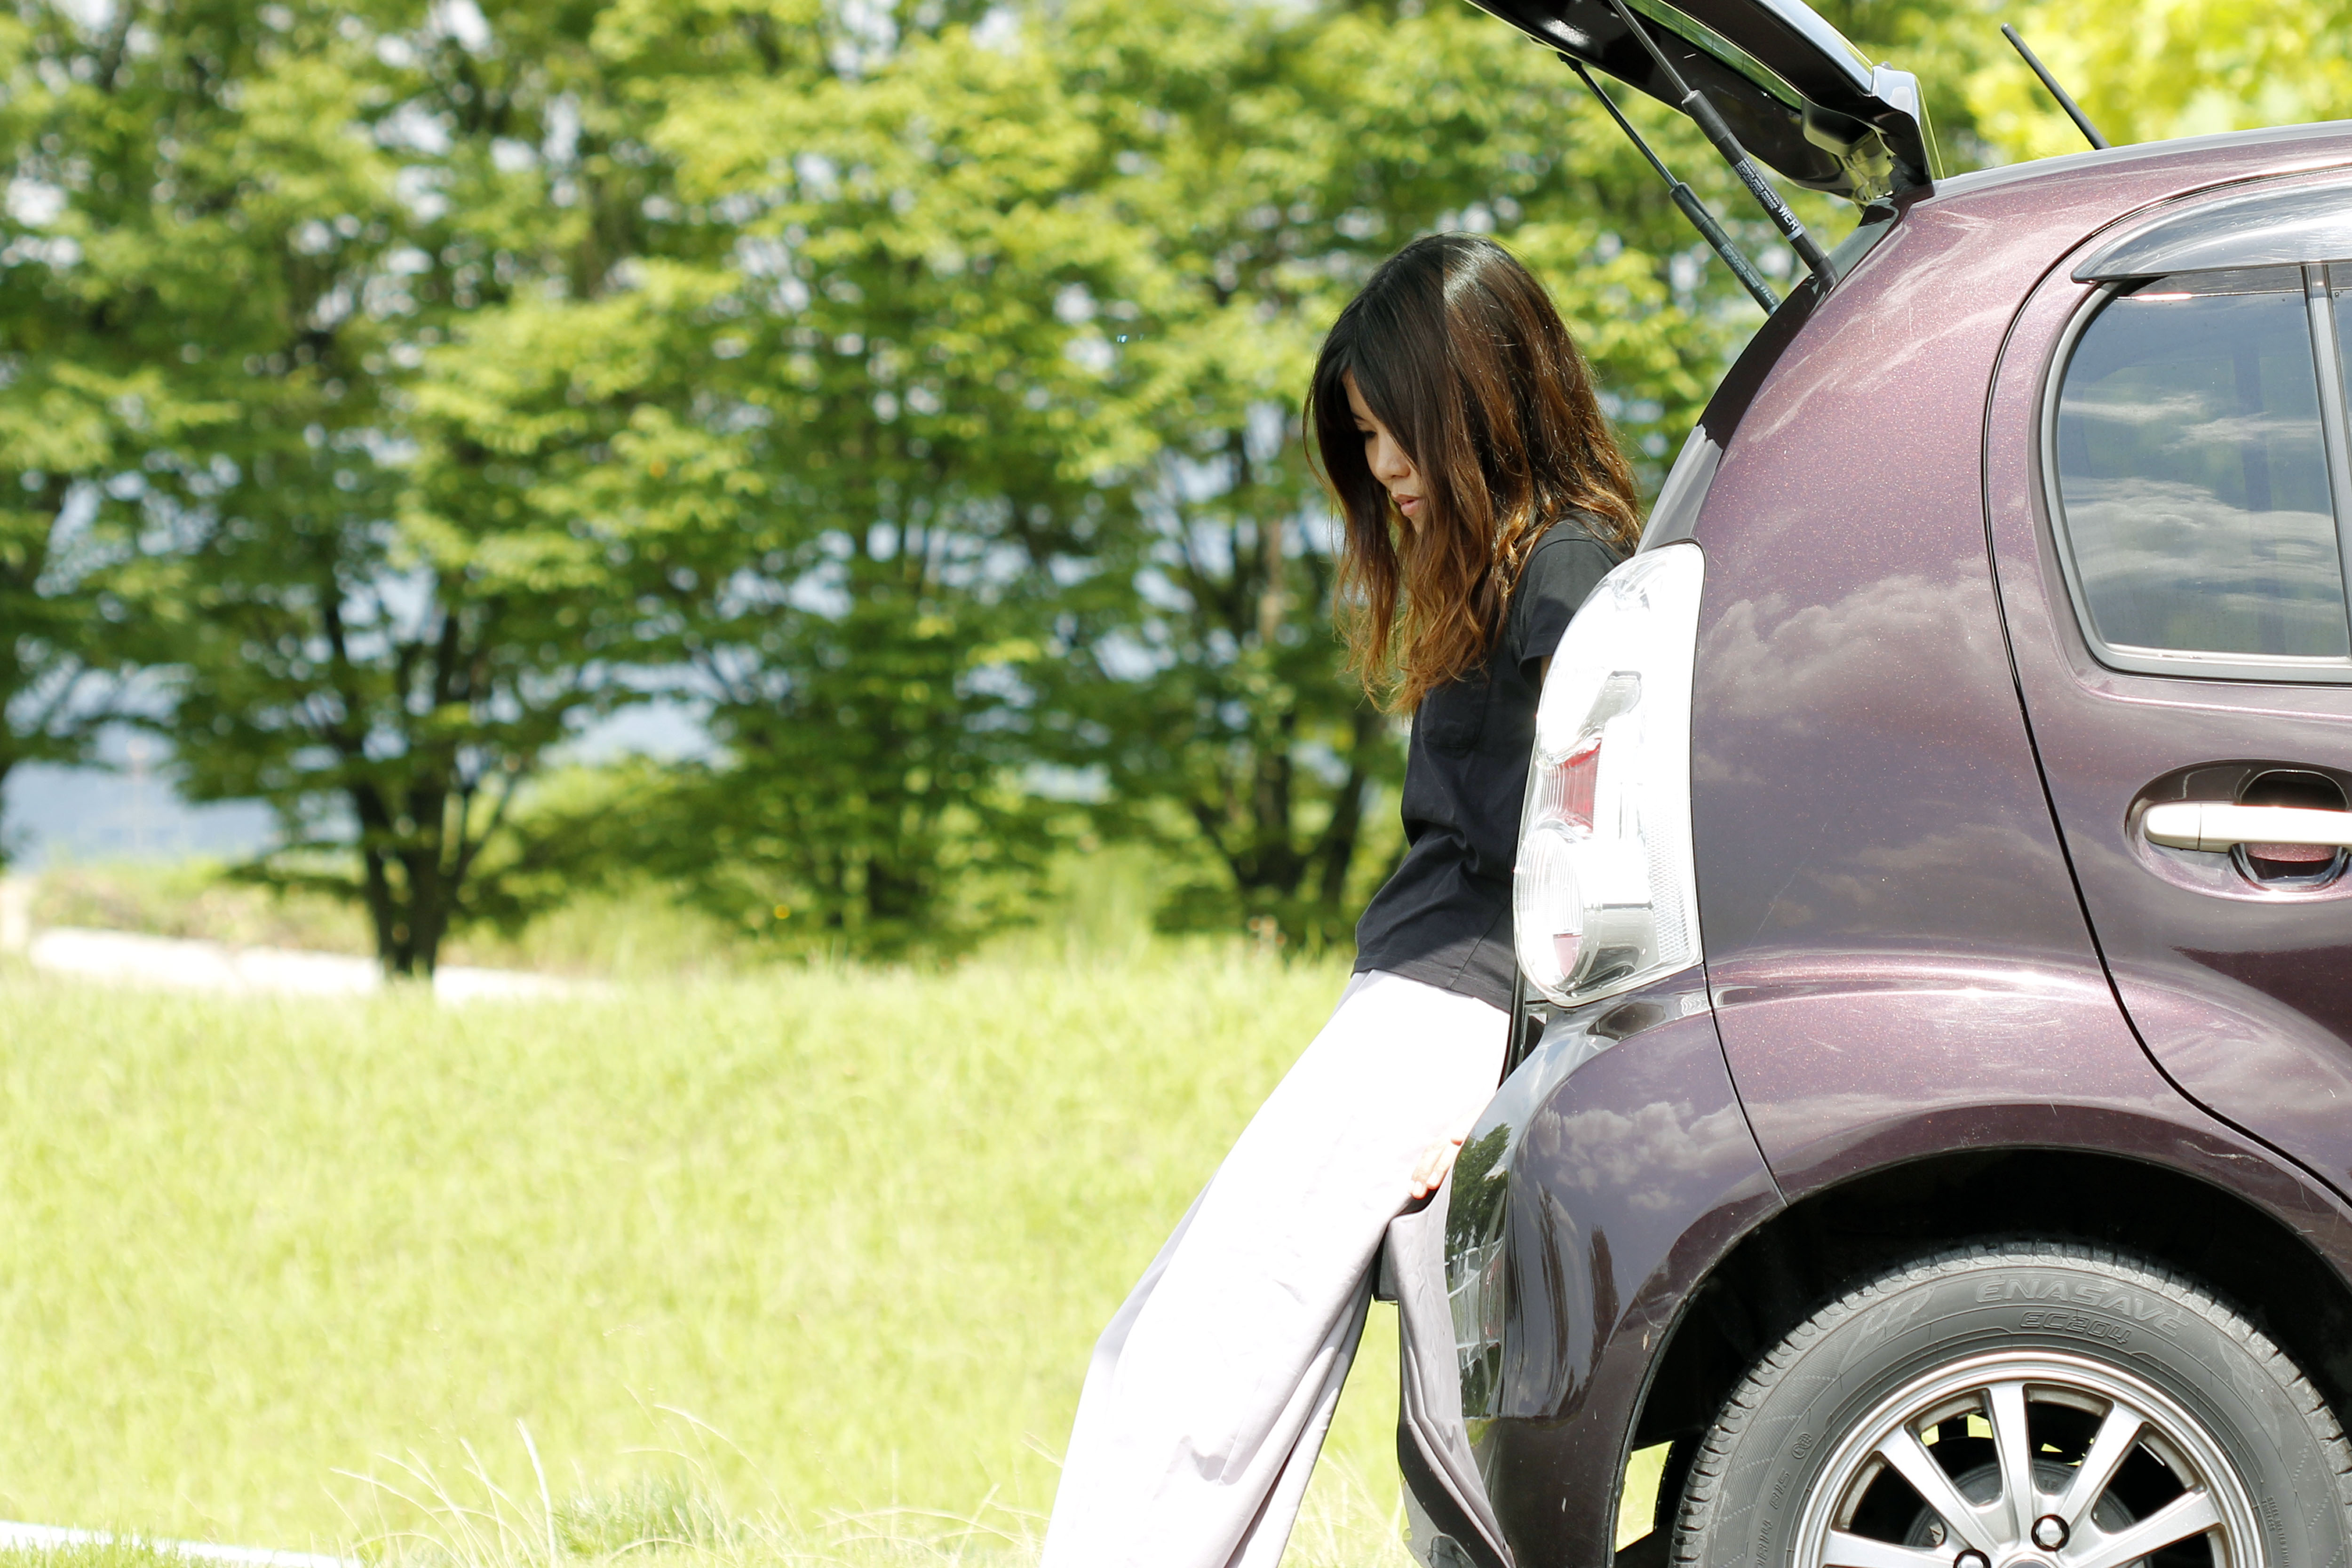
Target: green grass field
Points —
{"points": [[796, 1267]]}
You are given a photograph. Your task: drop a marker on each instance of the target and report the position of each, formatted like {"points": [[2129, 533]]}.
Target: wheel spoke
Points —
{"points": [[1850, 1551], [1912, 1461], [2105, 1456], [2005, 1405], [2191, 1513]]}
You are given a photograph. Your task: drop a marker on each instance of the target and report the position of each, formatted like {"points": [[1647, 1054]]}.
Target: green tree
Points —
{"points": [[85, 311], [918, 373], [401, 275], [1026, 310], [2143, 72], [57, 670]]}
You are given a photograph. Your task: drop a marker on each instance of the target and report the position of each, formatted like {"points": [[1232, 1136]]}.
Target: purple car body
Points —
{"points": [[1952, 993]]}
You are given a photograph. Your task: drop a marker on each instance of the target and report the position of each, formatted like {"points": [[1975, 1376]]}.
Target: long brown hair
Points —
{"points": [[1458, 351]]}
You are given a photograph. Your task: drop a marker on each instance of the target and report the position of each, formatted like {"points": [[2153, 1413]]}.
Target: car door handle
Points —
{"points": [[2224, 825]]}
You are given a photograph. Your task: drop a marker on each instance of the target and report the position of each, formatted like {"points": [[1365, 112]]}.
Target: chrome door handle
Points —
{"points": [[2223, 824]]}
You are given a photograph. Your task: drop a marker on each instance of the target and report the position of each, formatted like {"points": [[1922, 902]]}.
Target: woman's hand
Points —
{"points": [[1429, 1171]]}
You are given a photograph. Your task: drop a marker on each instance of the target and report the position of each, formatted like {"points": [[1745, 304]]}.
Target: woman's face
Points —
{"points": [[1386, 458]]}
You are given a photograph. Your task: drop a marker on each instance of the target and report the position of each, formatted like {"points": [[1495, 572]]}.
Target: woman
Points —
{"points": [[1484, 497]]}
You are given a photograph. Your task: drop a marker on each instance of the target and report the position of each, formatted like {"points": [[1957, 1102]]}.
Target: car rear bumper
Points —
{"points": [[1625, 1170]]}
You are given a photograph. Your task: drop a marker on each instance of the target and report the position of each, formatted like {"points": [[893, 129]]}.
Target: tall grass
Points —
{"points": [[802, 1266]]}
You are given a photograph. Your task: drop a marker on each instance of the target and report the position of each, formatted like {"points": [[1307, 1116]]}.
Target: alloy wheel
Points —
{"points": [[2036, 1460]]}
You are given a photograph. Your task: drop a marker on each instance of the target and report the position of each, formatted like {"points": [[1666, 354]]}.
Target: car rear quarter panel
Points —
{"points": [[1636, 1174], [1897, 951]]}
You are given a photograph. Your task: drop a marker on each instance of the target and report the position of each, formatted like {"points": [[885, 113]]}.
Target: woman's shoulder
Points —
{"points": [[1566, 565], [1580, 534], [1570, 555]]}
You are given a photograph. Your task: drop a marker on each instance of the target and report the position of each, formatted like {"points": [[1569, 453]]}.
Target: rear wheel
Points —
{"points": [[2022, 1405]]}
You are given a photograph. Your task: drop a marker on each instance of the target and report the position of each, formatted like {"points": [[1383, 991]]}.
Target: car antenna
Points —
{"points": [[2065, 99], [1693, 102], [1687, 199]]}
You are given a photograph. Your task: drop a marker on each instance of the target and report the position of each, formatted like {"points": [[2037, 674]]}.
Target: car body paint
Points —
{"points": [[1631, 1177], [1898, 963]]}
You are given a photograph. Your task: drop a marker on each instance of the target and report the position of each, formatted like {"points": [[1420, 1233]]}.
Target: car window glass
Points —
{"points": [[2192, 472]]}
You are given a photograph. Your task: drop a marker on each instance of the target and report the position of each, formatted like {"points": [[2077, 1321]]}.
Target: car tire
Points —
{"points": [[2114, 1395]]}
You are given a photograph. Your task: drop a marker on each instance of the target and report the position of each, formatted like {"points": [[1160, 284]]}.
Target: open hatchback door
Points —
{"points": [[1800, 97]]}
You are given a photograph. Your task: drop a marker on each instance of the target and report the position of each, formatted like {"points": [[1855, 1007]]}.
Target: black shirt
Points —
{"points": [[1444, 917]]}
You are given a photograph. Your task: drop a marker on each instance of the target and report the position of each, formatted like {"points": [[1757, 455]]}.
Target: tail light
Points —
{"points": [[1604, 897]]}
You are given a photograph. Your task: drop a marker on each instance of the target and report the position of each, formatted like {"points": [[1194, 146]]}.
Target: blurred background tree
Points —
{"points": [[433, 241], [913, 375], [387, 271], [90, 373], [1048, 506], [905, 396]]}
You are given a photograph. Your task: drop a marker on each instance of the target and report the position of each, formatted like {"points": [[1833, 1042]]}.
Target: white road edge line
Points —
{"points": [[56, 1535]]}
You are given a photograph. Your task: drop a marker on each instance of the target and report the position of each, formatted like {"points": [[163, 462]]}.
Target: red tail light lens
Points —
{"points": [[1565, 789], [1580, 775]]}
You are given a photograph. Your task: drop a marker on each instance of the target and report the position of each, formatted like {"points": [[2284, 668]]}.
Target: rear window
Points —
{"points": [[2192, 448]]}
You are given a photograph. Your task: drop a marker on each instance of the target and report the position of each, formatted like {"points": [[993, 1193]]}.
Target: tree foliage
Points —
{"points": [[382, 268], [927, 422]]}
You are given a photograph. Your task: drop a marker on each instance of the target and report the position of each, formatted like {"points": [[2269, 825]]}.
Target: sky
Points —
{"points": [[125, 809], [52, 815]]}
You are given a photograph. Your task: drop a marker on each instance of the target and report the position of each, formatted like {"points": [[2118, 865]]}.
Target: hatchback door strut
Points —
{"points": [[1687, 199], [1693, 102]]}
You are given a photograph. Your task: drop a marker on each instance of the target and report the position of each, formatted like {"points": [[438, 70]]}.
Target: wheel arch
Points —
{"points": [[1805, 1254]]}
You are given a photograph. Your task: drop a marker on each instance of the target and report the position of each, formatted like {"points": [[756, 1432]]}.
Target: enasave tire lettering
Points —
{"points": [[2154, 1312]]}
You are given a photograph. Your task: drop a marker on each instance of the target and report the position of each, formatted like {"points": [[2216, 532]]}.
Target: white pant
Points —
{"points": [[1210, 1393]]}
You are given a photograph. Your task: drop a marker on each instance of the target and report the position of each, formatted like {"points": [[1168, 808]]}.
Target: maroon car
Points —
{"points": [[1933, 1118]]}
